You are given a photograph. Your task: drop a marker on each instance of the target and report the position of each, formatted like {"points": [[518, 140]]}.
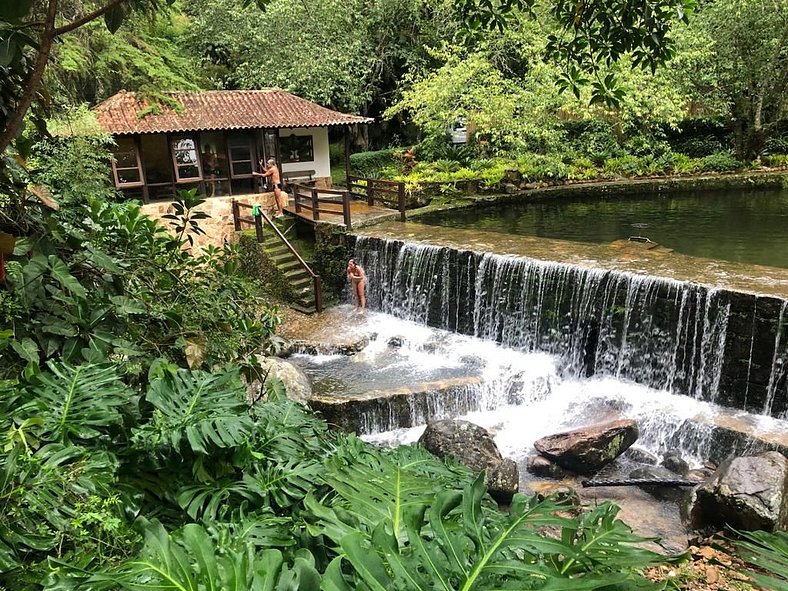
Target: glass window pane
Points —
{"points": [[188, 171], [242, 167], [156, 159], [129, 175], [214, 155], [126, 159]]}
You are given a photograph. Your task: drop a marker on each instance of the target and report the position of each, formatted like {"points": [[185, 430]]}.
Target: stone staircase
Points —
{"points": [[300, 281]]}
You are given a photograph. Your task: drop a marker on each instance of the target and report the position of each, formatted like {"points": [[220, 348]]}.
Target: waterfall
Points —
{"points": [[665, 334]]}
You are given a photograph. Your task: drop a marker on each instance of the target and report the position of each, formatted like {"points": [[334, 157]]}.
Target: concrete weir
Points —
{"points": [[715, 331]]}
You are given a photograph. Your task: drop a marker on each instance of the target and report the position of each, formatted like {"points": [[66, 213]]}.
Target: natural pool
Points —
{"points": [[740, 226]]}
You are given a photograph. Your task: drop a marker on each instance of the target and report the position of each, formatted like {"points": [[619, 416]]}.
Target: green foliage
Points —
{"points": [[99, 280], [452, 542], [720, 162], [369, 164], [191, 559], [767, 552]]}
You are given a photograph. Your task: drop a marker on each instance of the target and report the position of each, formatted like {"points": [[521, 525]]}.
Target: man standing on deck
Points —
{"points": [[272, 170]]}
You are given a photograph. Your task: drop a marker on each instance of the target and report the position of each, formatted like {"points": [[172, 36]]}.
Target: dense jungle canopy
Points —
{"points": [[129, 455]]}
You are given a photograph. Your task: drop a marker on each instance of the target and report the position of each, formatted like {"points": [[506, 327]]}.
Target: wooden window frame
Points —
{"points": [[198, 163], [115, 168], [231, 162]]}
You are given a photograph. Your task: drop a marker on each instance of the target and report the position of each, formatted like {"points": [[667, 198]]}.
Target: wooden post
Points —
{"points": [[318, 293], [346, 209], [370, 192], [258, 227], [347, 156], [297, 197], [236, 216], [401, 201], [315, 207]]}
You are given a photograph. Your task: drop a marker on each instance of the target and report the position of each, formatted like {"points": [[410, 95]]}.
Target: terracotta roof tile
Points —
{"points": [[218, 109]]}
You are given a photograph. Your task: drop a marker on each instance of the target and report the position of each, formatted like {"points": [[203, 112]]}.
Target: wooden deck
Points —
{"points": [[360, 212]]}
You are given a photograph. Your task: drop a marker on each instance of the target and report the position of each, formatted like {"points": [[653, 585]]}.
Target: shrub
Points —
{"points": [[627, 166], [720, 162], [777, 160], [371, 163]]}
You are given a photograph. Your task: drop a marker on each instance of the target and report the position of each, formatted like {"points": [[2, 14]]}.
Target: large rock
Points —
{"points": [[474, 447], [747, 493], [296, 382], [588, 449]]}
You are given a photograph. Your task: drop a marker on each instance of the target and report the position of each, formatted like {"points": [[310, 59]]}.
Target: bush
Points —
{"points": [[777, 160], [371, 163], [720, 162]]}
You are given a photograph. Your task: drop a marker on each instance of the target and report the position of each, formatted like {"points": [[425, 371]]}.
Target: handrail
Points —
{"points": [[369, 187], [316, 281], [309, 198]]}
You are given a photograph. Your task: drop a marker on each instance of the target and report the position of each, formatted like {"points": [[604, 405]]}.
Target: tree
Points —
{"points": [[738, 66], [594, 35]]}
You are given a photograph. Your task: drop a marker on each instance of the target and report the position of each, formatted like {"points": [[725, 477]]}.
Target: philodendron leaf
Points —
{"points": [[61, 274]]}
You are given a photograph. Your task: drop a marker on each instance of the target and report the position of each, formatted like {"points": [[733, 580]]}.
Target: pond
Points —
{"points": [[740, 226]]}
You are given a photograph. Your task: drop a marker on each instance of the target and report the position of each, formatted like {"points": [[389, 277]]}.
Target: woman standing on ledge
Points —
{"points": [[358, 281]]}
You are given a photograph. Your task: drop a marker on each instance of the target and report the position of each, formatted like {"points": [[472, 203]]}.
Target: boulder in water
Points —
{"points": [[588, 449], [641, 456], [296, 383], [675, 463], [473, 446], [747, 493], [544, 468]]}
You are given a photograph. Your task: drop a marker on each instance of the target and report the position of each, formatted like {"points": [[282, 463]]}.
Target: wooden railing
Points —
{"points": [[319, 201], [387, 193], [257, 219]]}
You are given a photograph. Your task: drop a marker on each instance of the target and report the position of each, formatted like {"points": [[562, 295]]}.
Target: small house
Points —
{"points": [[214, 140]]}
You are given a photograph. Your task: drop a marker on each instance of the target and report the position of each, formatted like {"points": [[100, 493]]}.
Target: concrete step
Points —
{"points": [[308, 309]]}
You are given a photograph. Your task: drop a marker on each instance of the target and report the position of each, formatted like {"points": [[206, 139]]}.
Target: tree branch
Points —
{"points": [[87, 18], [16, 120]]}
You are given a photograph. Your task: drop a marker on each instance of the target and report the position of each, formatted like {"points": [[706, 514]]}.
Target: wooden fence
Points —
{"points": [[389, 194], [317, 201]]}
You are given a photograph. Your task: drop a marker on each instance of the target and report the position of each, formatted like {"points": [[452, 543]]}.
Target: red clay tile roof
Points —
{"points": [[218, 109]]}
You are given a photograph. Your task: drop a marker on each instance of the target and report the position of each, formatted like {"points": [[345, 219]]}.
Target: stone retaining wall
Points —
{"points": [[219, 227]]}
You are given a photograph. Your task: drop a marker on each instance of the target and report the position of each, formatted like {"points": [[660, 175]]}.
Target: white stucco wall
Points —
{"points": [[321, 164]]}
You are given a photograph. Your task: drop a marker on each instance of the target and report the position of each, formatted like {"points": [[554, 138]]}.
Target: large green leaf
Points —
{"points": [[191, 560], [75, 402], [203, 410], [395, 537], [768, 552]]}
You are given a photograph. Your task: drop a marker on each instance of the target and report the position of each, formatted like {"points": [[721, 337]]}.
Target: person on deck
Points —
{"points": [[358, 280], [272, 170]]}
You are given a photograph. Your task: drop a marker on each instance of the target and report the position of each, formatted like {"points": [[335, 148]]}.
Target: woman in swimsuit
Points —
{"points": [[358, 280]]}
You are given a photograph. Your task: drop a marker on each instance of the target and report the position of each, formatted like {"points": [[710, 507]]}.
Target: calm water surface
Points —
{"points": [[741, 226]]}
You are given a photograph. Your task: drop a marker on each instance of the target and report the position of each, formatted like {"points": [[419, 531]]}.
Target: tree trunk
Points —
{"points": [[17, 118]]}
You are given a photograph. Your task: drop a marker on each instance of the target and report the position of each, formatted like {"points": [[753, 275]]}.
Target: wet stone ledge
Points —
{"points": [[383, 410]]}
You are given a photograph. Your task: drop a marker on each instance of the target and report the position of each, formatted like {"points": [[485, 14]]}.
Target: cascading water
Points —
{"points": [[658, 332]]}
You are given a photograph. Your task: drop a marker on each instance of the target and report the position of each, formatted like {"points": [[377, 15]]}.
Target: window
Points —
{"points": [[240, 148], [186, 159], [297, 148], [126, 164], [156, 159]]}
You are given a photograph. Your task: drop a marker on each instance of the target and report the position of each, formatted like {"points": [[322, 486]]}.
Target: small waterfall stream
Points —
{"points": [[663, 334]]}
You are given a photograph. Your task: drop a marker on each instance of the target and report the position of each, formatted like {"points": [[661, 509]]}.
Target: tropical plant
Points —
{"points": [[767, 552]]}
